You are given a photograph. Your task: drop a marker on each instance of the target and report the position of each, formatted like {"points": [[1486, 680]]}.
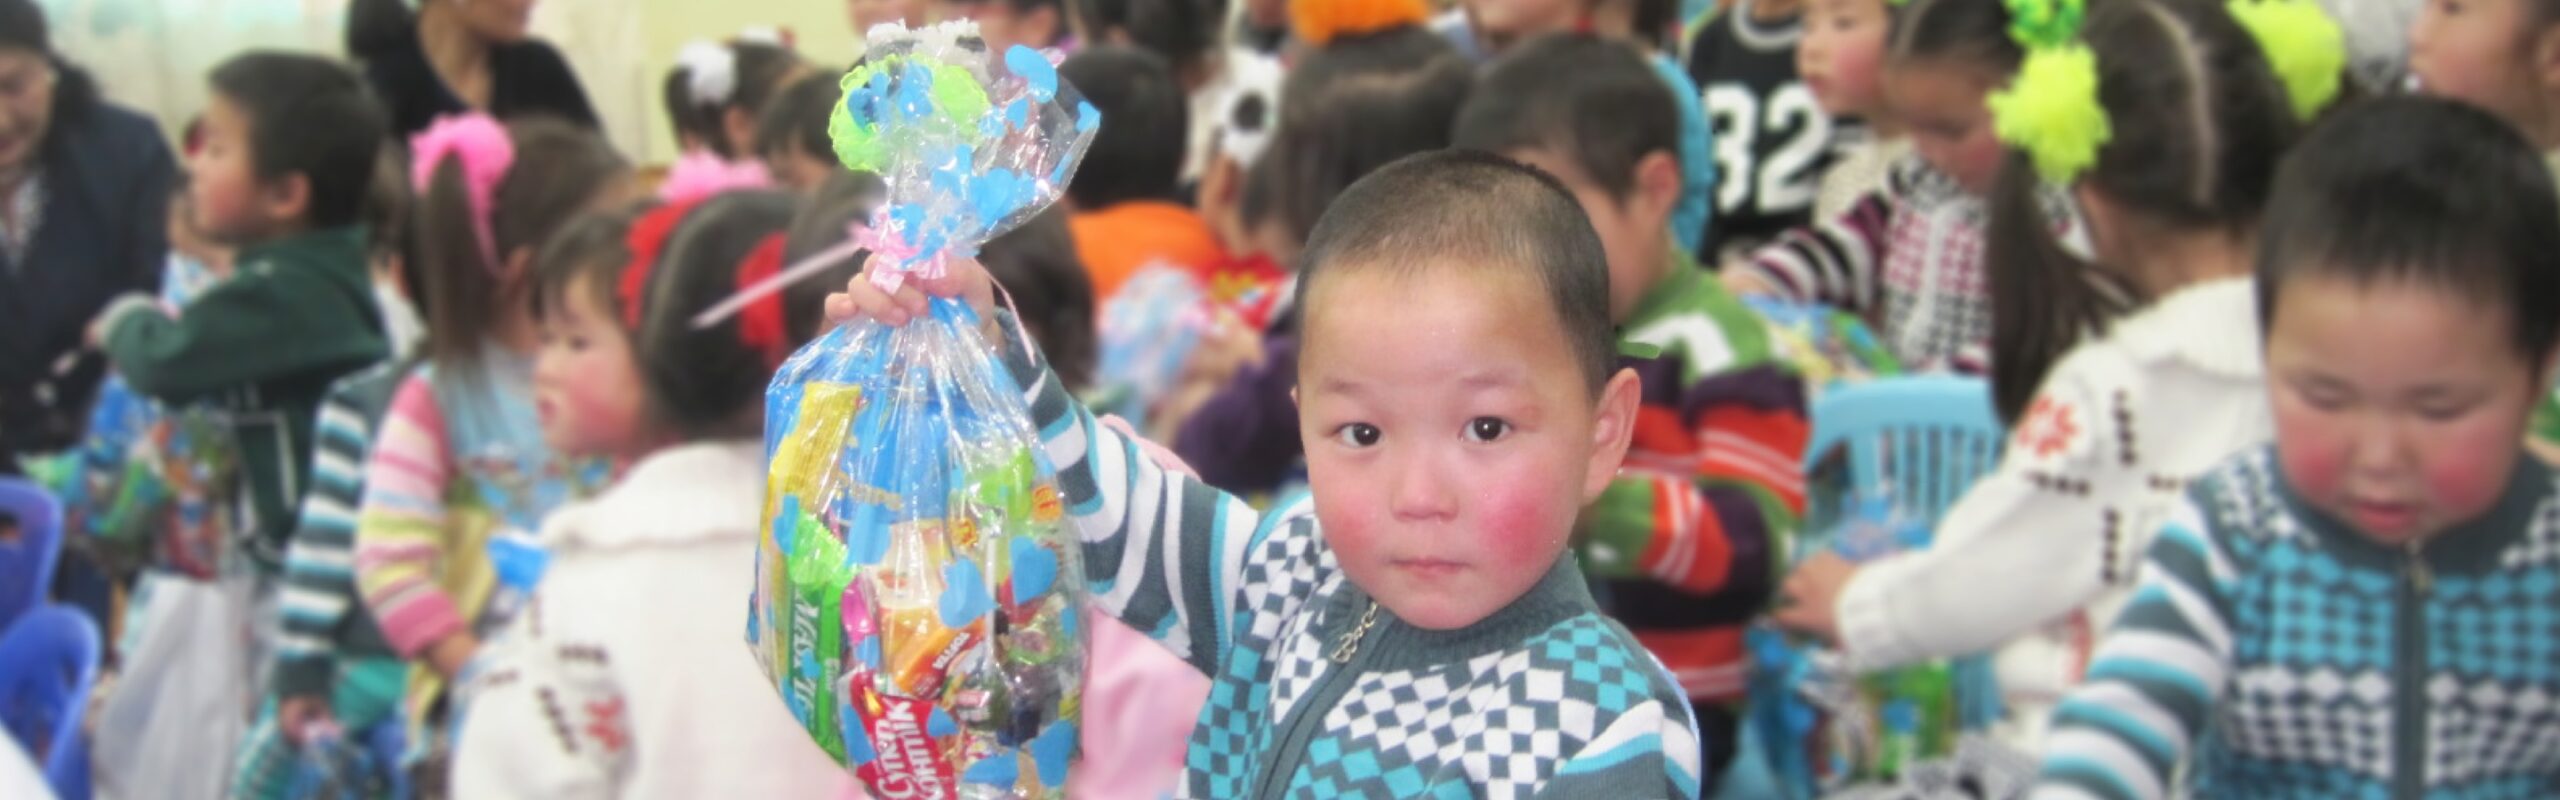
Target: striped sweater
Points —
{"points": [[2277, 653], [460, 458], [324, 618], [1546, 698], [1693, 529]]}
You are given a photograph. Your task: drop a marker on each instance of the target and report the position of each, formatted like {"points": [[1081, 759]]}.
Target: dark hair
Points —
{"points": [[1145, 125], [798, 117], [1180, 31], [389, 223], [847, 199], [1037, 265], [1352, 106], [1485, 211], [759, 68], [310, 116], [1059, 33], [559, 169], [376, 27], [707, 382], [2423, 191], [1972, 32], [2199, 121], [1585, 99], [22, 26]]}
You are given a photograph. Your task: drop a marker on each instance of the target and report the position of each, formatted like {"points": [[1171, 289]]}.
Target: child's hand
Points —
{"points": [[295, 715], [449, 654], [1809, 600], [963, 278]]}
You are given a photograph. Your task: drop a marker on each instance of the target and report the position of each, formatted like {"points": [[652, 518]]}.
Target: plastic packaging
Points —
{"points": [[918, 590]]}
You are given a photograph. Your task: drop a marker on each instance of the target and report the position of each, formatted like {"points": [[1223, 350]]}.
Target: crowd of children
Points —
{"points": [[1483, 438]]}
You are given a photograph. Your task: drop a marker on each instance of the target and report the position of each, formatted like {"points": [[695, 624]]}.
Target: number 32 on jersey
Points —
{"points": [[1767, 153]]}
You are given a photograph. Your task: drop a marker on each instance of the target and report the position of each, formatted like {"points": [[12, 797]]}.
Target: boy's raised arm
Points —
{"points": [[1163, 551]]}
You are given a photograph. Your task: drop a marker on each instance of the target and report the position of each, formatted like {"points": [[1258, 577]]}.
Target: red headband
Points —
{"points": [[760, 325]]}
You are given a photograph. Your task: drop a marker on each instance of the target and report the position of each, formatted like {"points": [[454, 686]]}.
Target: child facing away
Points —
{"points": [[792, 138], [1684, 537], [333, 669], [2363, 608], [458, 459], [716, 97], [289, 145], [1909, 257], [1127, 212], [1772, 138], [622, 677], [2038, 553], [2498, 55], [1415, 628]]}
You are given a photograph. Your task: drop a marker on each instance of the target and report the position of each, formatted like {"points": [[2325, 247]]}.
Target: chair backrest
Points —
{"points": [[28, 558], [1917, 443], [48, 662]]}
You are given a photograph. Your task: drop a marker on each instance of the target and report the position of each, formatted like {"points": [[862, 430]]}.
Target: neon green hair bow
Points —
{"points": [[2051, 109], [2302, 44]]}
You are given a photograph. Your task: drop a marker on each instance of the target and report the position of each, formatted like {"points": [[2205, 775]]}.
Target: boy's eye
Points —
{"points": [[1487, 429], [1358, 434]]}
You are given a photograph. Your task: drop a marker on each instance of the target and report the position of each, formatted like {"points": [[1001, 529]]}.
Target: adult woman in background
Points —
{"points": [[84, 198], [452, 56]]}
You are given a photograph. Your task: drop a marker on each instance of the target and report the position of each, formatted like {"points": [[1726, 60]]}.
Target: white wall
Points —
{"points": [[153, 54]]}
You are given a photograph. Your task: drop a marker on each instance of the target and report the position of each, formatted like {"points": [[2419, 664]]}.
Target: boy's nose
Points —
{"points": [[1422, 494]]}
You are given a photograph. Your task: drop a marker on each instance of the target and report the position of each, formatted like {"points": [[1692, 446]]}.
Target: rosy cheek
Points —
{"points": [[2312, 450], [1522, 515], [2466, 467]]}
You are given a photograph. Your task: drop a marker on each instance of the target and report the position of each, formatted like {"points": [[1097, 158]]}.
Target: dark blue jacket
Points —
{"points": [[103, 231]]}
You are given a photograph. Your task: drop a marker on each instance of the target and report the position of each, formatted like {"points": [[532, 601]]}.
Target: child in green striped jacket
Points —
{"points": [[1684, 537]]}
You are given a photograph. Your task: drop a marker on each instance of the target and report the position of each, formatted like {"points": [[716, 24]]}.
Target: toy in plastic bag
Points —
{"points": [[1828, 728], [1148, 332], [918, 589]]}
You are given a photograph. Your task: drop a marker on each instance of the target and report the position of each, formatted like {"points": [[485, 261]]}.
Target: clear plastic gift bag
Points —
{"points": [[918, 588]]}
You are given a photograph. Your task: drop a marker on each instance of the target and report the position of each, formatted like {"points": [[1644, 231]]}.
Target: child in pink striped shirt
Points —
{"points": [[460, 459]]}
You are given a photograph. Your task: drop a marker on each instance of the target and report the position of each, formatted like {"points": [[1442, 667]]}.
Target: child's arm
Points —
{"points": [[319, 566], [2037, 539], [400, 530], [2156, 678], [1837, 262], [1163, 551], [1650, 751], [1709, 525], [262, 324]]}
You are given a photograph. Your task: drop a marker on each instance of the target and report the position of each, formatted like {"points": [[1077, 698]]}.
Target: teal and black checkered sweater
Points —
{"points": [[1546, 698], [2281, 654]]}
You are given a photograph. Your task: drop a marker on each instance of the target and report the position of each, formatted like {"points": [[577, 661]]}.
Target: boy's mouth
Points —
{"points": [[1429, 567], [2377, 516]]}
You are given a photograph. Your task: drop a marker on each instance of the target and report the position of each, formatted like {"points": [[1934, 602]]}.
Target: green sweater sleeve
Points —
{"points": [[272, 320]]}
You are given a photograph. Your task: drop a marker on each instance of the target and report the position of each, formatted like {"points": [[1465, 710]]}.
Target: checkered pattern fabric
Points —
{"points": [[2291, 631], [1573, 708]]}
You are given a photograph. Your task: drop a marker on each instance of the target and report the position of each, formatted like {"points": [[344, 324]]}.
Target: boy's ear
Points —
{"points": [[1658, 181], [518, 268], [287, 197], [1613, 426], [2545, 52]]}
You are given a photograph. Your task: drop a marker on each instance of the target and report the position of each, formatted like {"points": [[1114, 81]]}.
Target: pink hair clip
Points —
{"points": [[482, 152]]}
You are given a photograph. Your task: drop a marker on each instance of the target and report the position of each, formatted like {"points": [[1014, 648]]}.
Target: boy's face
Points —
{"points": [[796, 169], [1633, 229], [2478, 52], [586, 382], [2399, 408], [232, 204], [1943, 106], [1841, 53], [1450, 440]]}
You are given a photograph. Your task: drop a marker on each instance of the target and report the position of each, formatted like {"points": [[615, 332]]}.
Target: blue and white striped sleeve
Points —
{"points": [[2157, 675], [1163, 551]]}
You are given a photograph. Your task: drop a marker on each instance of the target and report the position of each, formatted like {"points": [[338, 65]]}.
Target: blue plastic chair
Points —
{"points": [[1917, 443], [27, 561], [48, 662]]}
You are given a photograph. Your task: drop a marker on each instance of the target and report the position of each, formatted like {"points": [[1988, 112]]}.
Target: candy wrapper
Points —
{"points": [[917, 586]]}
